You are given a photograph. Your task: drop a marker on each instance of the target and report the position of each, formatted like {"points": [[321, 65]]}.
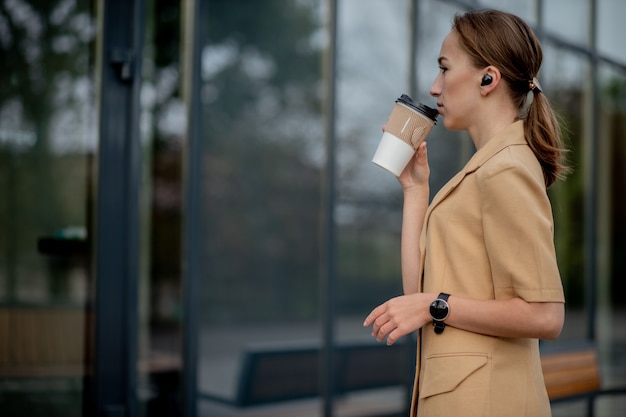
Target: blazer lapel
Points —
{"points": [[439, 197]]}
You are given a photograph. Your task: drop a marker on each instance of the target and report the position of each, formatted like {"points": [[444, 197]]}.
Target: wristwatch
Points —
{"points": [[439, 311]]}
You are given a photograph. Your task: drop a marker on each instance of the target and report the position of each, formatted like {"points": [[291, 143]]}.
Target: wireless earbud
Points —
{"points": [[487, 79]]}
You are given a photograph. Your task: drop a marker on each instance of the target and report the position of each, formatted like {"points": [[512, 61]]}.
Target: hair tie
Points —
{"points": [[534, 85]]}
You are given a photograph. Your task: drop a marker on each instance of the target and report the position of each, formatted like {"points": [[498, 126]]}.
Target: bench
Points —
{"points": [[49, 344], [271, 374], [42, 341], [572, 372]]}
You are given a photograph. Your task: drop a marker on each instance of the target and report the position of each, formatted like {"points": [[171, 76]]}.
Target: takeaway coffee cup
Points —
{"points": [[408, 125]]}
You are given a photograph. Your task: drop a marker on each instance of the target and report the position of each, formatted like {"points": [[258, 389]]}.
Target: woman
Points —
{"points": [[479, 271]]}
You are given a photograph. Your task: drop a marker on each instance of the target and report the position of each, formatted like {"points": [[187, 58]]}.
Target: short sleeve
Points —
{"points": [[518, 231]]}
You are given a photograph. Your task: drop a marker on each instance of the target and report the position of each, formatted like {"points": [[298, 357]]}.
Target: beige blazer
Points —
{"points": [[488, 235]]}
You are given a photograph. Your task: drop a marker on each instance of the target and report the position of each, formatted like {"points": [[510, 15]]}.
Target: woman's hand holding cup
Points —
{"points": [[417, 171]]}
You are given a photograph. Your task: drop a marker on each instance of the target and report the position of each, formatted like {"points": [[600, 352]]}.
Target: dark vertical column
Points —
{"points": [[413, 45], [591, 201], [415, 93], [327, 238], [117, 209], [192, 193]]}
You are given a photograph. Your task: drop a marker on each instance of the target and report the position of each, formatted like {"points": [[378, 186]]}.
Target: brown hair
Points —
{"points": [[503, 40]]}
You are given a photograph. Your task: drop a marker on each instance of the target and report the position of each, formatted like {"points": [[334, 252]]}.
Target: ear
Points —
{"points": [[490, 79]]}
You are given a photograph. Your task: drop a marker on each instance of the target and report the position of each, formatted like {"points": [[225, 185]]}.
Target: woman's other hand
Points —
{"points": [[399, 316]]}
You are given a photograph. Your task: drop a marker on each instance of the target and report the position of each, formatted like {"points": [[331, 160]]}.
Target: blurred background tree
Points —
{"points": [[46, 126]]}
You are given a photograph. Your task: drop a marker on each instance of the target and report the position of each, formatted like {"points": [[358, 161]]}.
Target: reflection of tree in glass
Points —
{"points": [[45, 53], [263, 130], [45, 122], [261, 94]]}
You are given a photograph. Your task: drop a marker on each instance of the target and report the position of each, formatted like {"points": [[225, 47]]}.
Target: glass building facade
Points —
{"points": [[185, 184]]}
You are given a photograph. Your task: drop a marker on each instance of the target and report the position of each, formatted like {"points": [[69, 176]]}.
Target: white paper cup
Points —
{"points": [[408, 125], [393, 154]]}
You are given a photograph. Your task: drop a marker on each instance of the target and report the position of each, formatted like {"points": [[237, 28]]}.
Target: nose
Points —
{"points": [[435, 89]]}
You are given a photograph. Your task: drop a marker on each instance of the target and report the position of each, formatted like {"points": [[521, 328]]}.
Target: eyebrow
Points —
{"points": [[441, 59]]}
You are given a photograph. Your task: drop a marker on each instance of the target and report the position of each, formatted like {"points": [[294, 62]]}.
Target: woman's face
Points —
{"points": [[457, 87]]}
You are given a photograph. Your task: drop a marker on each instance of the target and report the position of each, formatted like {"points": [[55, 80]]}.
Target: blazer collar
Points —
{"points": [[512, 135]]}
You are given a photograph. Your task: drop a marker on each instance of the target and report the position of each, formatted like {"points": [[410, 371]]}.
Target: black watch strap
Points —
{"points": [[443, 296], [440, 326]]}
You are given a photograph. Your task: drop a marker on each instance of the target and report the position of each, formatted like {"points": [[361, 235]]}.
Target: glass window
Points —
{"points": [[610, 29], [163, 123], [524, 9], [262, 161], [611, 224], [373, 70], [568, 19], [47, 146]]}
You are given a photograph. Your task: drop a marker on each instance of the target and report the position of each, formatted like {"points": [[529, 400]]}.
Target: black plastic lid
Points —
{"points": [[422, 108]]}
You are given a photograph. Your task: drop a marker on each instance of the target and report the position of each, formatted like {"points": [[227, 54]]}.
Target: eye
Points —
{"points": [[443, 69]]}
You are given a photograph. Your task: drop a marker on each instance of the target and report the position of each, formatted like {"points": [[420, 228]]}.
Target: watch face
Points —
{"points": [[439, 309]]}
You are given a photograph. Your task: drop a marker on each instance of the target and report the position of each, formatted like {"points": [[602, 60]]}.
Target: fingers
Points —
{"points": [[377, 312], [379, 333], [422, 153], [382, 327], [393, 337], [386, 329], [377, 319], [396, 318], [382, 324]]}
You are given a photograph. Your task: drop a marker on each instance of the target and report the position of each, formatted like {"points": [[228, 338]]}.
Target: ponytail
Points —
{"points": [[543, 134]]}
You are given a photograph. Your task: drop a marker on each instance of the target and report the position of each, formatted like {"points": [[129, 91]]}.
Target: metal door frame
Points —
{"points": [[112, 391]]}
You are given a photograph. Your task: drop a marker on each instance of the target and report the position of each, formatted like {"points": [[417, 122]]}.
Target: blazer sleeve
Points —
{"points": [[518, 230]]}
